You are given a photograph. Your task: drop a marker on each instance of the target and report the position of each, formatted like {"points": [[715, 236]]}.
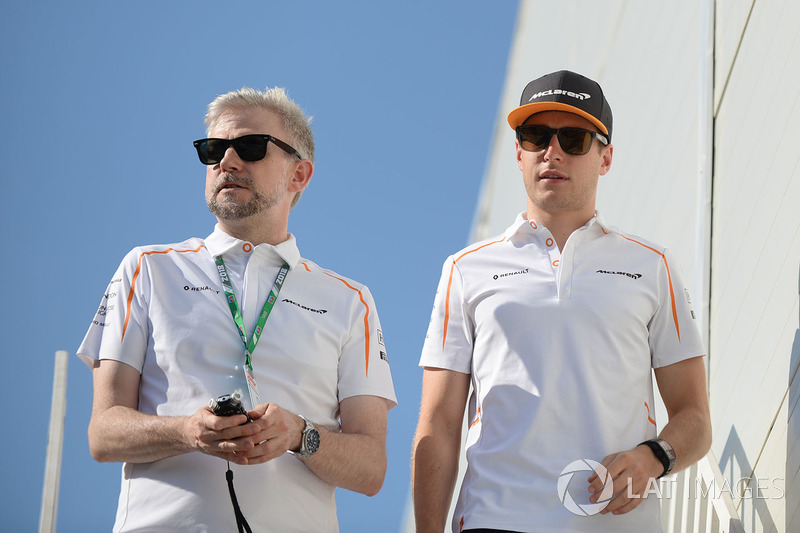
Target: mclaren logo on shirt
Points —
{"points": [[632, 276], [301, 306], [516, 272]]}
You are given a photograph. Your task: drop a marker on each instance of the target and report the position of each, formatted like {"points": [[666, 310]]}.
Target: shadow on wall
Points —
{"points": [[738, 472]]}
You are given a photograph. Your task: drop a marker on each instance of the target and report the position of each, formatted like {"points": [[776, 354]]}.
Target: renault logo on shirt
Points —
{"points": [[516, 272]]}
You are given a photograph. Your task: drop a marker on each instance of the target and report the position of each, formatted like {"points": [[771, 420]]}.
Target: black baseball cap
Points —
{"points": [[564, 91]]}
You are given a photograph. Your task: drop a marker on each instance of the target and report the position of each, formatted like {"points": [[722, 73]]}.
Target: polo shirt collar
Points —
{"points": [[523, 226], [220, 243]]}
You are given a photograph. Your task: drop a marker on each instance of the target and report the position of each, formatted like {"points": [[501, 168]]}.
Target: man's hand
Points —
{"points": [[633, 473], [220, 436], [273, 432]]}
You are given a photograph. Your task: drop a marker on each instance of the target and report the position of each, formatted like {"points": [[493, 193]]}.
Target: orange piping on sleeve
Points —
{"points": [[450, 282], [366, 320], [669, 279], [136, 275]]}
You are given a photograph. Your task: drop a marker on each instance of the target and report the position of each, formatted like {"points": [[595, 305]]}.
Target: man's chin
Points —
{"points": [[232, 212]]}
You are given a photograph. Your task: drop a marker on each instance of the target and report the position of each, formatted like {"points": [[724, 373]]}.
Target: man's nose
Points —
{"points": [[553, 150], [230, 161]]}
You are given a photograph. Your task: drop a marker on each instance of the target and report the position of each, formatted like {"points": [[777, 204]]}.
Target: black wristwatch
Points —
{"points": [[309, 441], [664, 452]]}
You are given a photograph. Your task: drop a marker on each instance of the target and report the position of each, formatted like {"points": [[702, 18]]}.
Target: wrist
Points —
{"points": [[664, 452], [309, 440], [298, 426]]}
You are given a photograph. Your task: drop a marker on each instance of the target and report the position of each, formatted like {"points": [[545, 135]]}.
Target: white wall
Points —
{"points": [[694, 84], [755, 344]]}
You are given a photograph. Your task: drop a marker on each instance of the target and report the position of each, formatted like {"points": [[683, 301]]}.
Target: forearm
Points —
{"points": [[689, 433], [349, 460], [434, 469], [120, 434], [683, 389]]}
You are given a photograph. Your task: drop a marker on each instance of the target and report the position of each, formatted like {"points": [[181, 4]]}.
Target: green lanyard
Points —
{"points": [[233, 304]]}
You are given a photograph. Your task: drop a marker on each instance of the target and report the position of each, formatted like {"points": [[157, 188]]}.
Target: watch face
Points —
{"points": [[311, 441], [667, 448]]}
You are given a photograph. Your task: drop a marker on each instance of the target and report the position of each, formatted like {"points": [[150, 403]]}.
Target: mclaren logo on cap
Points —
{"points": [[551, 92]]}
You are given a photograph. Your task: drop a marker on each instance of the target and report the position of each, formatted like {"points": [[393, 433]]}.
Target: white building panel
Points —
{"points": [[756, 259], [688, 91]]}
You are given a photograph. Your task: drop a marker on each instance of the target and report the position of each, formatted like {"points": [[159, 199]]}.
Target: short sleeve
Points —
{"points": [[119, 328], [674, 333], [448, 343], [364, 361]]}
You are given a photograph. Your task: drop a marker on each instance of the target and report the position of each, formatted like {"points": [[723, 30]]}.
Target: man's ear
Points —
{"points": [[301, 176], [605, 161]]}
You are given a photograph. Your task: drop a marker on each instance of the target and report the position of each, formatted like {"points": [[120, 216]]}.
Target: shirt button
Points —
{"points": [[247, 247], [533, 224], [549, 242], [555, 263]]}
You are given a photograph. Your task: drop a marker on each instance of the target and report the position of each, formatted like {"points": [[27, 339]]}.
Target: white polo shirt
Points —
{"points": [[165, 314], [560, 347]]}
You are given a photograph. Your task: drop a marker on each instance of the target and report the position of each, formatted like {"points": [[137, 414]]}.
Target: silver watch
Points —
{"points": [[309, 441]]}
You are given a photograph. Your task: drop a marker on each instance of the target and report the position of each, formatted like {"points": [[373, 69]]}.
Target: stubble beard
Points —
{"points": [[230, 209]]}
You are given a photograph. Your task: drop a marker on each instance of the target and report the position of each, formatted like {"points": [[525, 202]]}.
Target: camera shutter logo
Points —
{"points": [[586, 509]]}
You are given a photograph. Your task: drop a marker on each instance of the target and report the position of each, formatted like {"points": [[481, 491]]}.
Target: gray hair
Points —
{"points": [[274, 99]]}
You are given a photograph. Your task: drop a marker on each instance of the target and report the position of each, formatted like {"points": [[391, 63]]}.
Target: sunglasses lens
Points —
{"points": [[215, 150], [251, 147], [248, 147], [210, 151], [534, 138], [575, 141]]}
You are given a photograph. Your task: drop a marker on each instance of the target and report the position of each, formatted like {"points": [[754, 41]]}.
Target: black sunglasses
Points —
{"points": [[574, 141], [249, 147]]}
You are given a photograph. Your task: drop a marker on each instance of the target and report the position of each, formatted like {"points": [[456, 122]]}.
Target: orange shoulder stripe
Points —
{"points": [[450, 282], [669, 279], [136, 275], [366, 319]]}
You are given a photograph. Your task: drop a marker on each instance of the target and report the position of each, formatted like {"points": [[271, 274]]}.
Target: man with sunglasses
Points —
{"points": [[191, 334], [556, 326]]}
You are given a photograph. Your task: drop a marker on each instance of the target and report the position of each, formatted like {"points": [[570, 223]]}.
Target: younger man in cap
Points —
{"points": [[557, 324]]}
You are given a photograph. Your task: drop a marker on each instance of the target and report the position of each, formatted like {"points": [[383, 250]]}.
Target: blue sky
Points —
{"points": [[100, 103]]}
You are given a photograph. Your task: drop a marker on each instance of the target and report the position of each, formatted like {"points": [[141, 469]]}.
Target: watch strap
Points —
{"points": [[664, 452]]}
